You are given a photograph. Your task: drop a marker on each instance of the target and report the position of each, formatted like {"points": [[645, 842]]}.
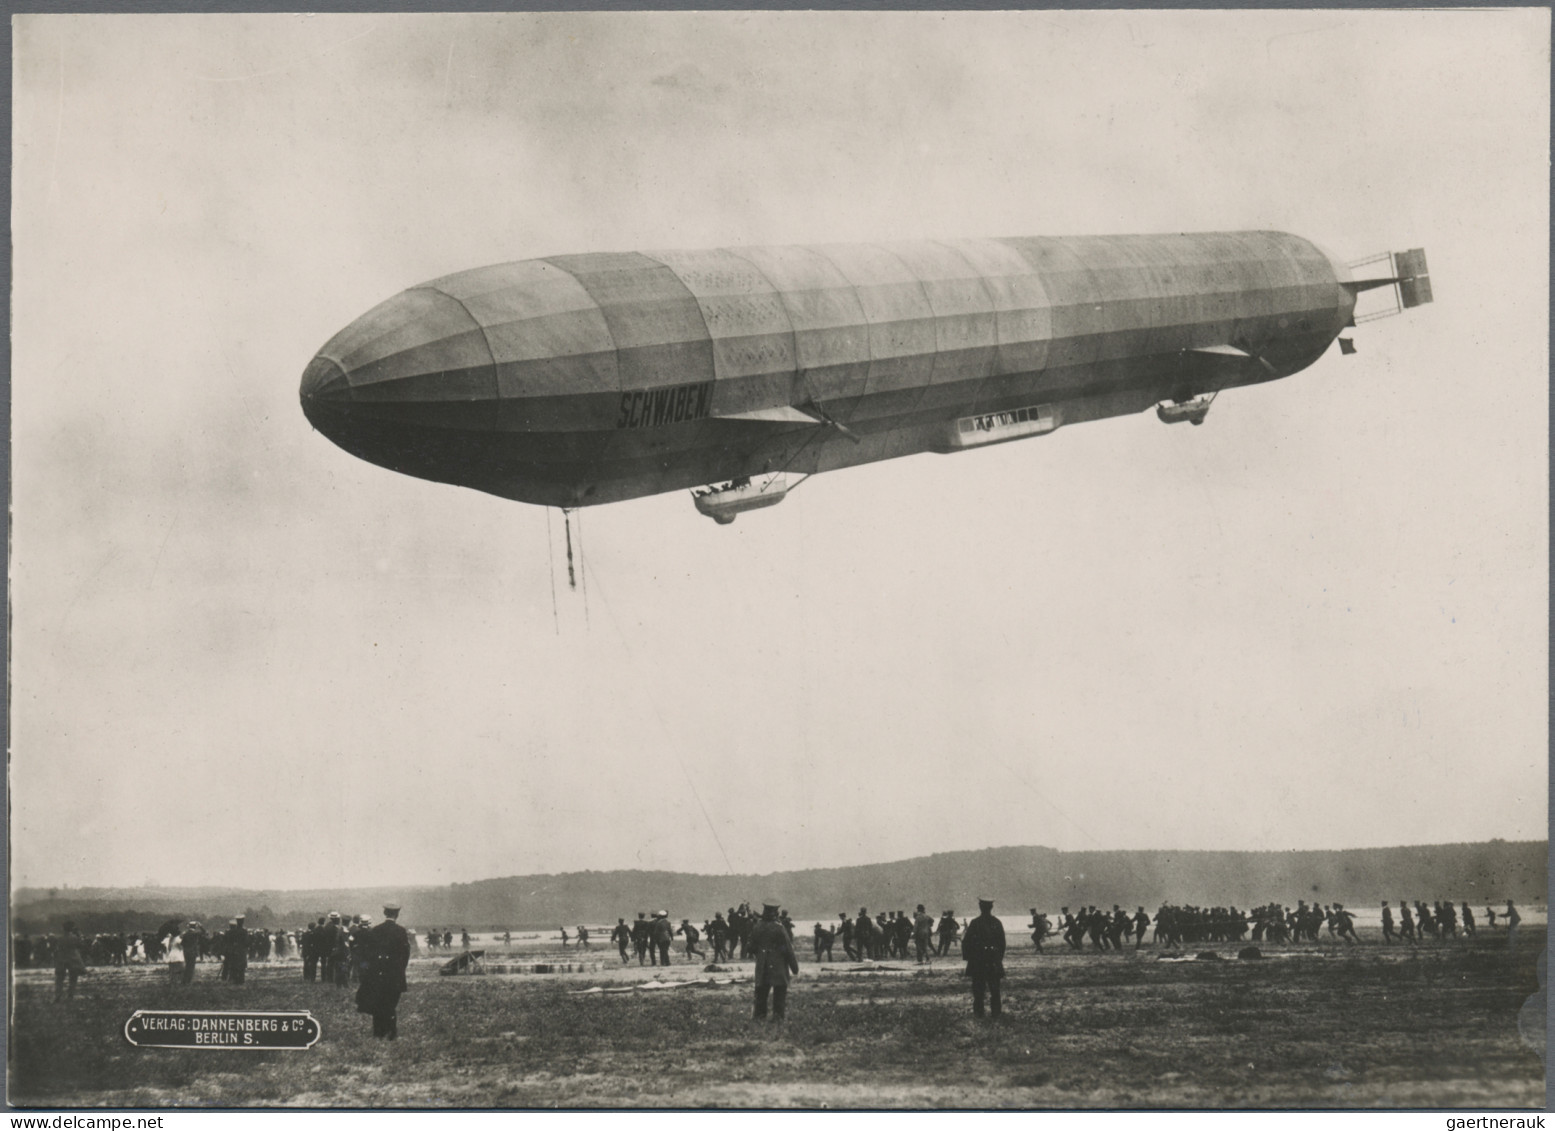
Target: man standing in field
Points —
{"points": [[342, 958], [663, 936], [68, 963], [192, 941], [983, 948], [308, 943], [385, 953], [640, 931], [1387, 922], [622, 937], [235, 961], [775, 960], [324, 943], [922, 934]]}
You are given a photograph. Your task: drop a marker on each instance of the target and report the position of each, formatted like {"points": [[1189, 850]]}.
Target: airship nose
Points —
{"points": [[324, 380], [410, 386], [326, 396]]}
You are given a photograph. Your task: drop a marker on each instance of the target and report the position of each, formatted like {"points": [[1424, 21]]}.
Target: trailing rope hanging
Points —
{"points": [[572, 580]]}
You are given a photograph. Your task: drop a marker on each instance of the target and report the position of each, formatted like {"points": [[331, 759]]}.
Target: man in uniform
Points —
{"points": [[948, 927], [663, 936], [68, 963], [692, 934], [923, 934], [775, 960], [309, 944], [640, 931], [324, 943], [1387, 922], [359, 948], [192, 942], [342, 966], [983, 948], [385, 952], [236, 961], [622, 937]]}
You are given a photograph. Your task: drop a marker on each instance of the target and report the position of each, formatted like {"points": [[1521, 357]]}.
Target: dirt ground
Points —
{"points": [[1324, 1026]]}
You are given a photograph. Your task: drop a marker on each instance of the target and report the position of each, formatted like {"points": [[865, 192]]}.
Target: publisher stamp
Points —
{"points": [[220, 1029]]}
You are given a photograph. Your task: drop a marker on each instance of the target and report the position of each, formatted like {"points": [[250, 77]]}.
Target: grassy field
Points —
{"points": [[1325, 1026]]}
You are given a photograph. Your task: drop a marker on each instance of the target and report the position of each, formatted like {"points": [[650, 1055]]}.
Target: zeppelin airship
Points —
{"points": [[575, 380]]}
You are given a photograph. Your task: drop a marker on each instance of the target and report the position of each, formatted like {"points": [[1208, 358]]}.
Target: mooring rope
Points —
{"points": [[572, 580]]}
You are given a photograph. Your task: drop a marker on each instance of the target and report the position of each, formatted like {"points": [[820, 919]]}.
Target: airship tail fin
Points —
{"points": [[1414, 283], [1408, 278]]}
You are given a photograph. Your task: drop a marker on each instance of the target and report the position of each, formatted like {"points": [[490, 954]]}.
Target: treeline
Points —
{"points": [[1017, 878]]}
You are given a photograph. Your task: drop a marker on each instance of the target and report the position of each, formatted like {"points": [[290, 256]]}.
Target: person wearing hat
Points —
{"points": [[983, 948], [640, 933], [192, 942], [663, 936], [384, 954], [923, 935], [68, 963], [308, 942], [234, 963], [775, 960], [325, 942], [341, 963], [692, 935], [621, 935], [356, 943]]}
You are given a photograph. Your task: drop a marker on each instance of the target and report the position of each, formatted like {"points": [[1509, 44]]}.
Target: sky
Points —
{"points": [[241, 656]]}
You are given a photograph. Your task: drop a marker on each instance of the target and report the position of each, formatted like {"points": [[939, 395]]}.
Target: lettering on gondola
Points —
{"points": [[229, 1029], [1040, 415], [674, 404], [991, 427]]}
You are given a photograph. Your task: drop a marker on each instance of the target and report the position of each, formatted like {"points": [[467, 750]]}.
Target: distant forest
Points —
{"points": [[1017, 878]]}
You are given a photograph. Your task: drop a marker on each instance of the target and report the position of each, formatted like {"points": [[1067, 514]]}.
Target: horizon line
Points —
{"points": [[16, 888]]}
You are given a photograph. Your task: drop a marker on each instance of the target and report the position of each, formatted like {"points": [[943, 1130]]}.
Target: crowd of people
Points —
{"points": [[342, 952], [334, 949], [652, 939], [923, 937], [121, 948]]}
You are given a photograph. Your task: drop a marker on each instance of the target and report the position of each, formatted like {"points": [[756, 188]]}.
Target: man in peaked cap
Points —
{"points": [[192, 941], [775, 960], [385, 953], [236, 959], [923, 934], [983, 948], [640, 938], [622, 937], [325, 943]]}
